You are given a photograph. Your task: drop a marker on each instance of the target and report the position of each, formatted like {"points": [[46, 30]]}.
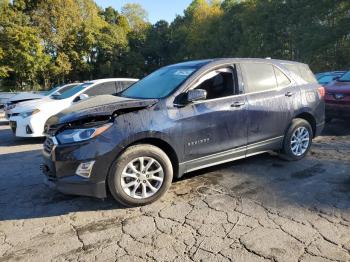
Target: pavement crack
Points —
{"points": [[254, 252], [76, 231], [234, 226]]}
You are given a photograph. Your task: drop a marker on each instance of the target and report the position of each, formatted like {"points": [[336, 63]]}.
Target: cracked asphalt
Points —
{"points": [[256, 209]]}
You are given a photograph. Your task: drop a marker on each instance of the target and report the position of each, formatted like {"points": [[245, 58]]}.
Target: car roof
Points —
{"points": [[112, 79], [333, 72], [201, 63]]}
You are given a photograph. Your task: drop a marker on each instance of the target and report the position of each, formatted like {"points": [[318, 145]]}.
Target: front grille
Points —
{"points": [[48, 145]]}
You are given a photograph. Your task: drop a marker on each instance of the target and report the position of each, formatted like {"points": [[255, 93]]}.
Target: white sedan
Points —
{"points": [[28, 118], [15, 100]]}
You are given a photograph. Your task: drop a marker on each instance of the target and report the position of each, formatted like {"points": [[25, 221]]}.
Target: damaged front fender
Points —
{"points": [[97, 109]]}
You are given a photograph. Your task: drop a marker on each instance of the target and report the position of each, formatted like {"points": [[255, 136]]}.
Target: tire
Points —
{"points": [[294, 153], [131, 169]]}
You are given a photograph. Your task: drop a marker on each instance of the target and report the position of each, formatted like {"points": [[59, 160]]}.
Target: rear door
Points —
{"points": [[270, 96]]}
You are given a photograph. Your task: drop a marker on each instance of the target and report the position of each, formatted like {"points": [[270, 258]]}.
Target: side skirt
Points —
{"points": [[231, 155]]}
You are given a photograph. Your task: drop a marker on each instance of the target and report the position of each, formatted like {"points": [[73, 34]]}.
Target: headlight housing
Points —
{"points": [[78, 135], [29, 113]]}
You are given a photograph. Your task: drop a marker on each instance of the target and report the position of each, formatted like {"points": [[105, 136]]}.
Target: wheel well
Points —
{"points": [[309, 118], [168, 149]]}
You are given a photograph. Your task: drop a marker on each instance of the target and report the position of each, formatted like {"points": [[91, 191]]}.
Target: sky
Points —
{"points": [[157, 9]]}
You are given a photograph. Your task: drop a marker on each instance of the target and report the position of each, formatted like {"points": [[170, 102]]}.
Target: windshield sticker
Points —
{"points": [[183, 72]]}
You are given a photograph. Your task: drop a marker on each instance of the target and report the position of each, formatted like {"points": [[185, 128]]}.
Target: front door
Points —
{"points": [[215, 129]]}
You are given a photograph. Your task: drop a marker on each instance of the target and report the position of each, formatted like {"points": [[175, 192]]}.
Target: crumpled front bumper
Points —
{"points": [[73, 184]]}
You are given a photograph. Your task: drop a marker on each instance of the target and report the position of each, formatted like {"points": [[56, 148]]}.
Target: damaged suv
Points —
{"points": [[182, 118]]}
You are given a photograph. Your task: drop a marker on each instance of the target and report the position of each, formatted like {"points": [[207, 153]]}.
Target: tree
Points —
{"points": [[157, 46], [71, 30], [136, 16], [21, 51], [54, 41], [196, 31], [110, 15]]}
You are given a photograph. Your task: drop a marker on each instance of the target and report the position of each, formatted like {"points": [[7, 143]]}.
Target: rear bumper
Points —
{"points": [[337, 111]]}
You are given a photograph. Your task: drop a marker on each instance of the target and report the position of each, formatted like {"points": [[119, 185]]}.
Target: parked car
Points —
{"points": [[328, 77], [338, 98], [28, 119], [182, 118], [26, 97]]}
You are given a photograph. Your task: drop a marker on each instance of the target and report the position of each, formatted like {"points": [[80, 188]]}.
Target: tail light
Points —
{"points": [[321, 91]]}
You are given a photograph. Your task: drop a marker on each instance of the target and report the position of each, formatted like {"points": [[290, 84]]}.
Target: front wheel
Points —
{"points": [[140, 176], [297, 141]]}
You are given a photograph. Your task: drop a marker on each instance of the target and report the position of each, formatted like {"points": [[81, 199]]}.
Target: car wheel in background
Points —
{"points": [[140, 176], [297, 140]]}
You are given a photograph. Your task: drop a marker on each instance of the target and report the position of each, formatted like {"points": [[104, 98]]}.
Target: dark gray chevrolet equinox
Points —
{"points": [[181, 118]]}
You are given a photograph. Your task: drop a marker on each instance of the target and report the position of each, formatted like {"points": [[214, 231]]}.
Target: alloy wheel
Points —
{"points": [[142, 177], [300, 141]]}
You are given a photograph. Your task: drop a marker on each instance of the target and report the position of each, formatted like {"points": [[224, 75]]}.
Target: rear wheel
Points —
{"points": [[297, 141], [140, 176]]}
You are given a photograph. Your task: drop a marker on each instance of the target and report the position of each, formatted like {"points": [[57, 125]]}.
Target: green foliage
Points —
{"points": [[21, 52], [54, 41], [136, 16]]}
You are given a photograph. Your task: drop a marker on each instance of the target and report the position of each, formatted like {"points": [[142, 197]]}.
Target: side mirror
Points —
{"points": [[336, 77], [196, 95], [83, 97]]}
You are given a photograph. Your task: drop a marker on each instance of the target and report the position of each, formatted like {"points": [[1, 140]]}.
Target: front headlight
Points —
{"points": [[78, 135], [29, 113]]}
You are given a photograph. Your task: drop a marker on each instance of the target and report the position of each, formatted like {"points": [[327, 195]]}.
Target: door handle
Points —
{"points": [[238, 104], [289, 94]]}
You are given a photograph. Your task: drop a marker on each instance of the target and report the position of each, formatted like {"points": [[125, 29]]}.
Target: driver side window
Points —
{"points": [[219, 83]]}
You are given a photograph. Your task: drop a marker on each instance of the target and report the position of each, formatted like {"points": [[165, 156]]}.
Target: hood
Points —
{"points": [[33, 102], [338, 87], [104, 105], [24, 97], [44, 103]]}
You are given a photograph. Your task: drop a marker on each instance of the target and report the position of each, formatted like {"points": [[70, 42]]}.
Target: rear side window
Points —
{"points": [[282, 79], [306, 74], [108, 88], [302, 71], [258, 77], [293, 68]]}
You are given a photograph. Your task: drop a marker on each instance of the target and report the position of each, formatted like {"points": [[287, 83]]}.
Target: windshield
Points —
{"points": [[160, 83], [345, 77], [326, 79], [52, 91], [71, 92]]}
